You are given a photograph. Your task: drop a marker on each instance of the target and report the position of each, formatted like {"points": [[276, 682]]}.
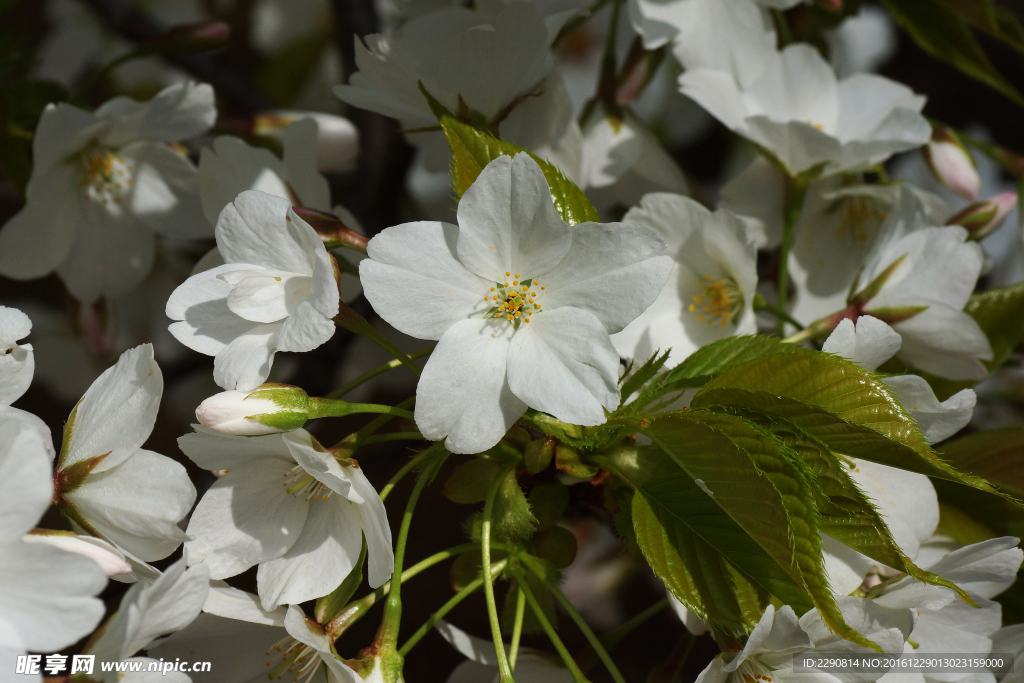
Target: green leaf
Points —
{"points": [[634, 381], [996, 455], [941, 32], [472, 149], [725, 354], [470, 481], [512, 520], [839, 435], [985, 16]]}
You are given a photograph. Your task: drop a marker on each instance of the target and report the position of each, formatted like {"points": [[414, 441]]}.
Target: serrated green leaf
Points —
{"points": [[996, 455], [793, 480], [834, 384], [633, 381], [941, 32], [725, 354], [841, 436], [512, 520], [472, 149]]}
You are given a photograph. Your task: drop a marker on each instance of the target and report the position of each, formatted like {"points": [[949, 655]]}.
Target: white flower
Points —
{"points": [[247, 644], [276, 292], [946, 624], [869, 344], [102, 183], [710, 293], [148, 611], [927, 276], [17, 363], [482, 661], [288, 506], [337, 139], [522, 306], [107, 484], [47, 593], [623, 160], [799, 112], [111, 560], [769, 651]]}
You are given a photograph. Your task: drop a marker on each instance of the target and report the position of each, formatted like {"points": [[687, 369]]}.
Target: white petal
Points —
{"points": [[416, 283], [232, 603], [253, 229], [321, 465], [613, 271], [245, 518], [946, 342], [178, 112], [211, 450], [305, 329], [984, 569], [231, 167], [26, 480], [165, 192], [463, 394], [17, 366], [306, 631], [320, 559], [376, 530], [869, 344], [472, 648], [39, 237], [206, 324], [266, 296], [508, 223], [938, 421], [63, 129], [563, 363], [300, 158], [14, 326], [111, 560], [111, 254], [245, 362], [150, 610], [47, 595], [903, 498], [138, 504], [117, 413]]}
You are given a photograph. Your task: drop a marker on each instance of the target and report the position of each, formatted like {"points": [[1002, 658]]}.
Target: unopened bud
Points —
{"points": [[337, 140], [111, 560], [952, 164], [330, 228], [189, 38], [538, 454], [981, 219], [270, 409]]}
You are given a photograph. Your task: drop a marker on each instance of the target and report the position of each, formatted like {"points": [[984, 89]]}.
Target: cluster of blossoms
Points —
{"points": [[790, 398]]}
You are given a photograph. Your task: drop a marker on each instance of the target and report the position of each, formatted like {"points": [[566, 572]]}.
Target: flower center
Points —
{"points": [[106, 177], [753, 671], [515, 300], [719, 301], [861, 218], [299, 483], [298, 660]]}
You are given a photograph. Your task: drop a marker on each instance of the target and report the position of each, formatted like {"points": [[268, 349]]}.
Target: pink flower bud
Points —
{"points": [[337, 141], [189, 38], [951, 163], [981, 219], [109, 558], [270, 409]]}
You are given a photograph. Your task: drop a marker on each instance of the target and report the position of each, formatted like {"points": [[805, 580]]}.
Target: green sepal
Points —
{"points": [[71, 477], [512, 520], [538, 454], [472, 149], [567, 459], [469, 482]]}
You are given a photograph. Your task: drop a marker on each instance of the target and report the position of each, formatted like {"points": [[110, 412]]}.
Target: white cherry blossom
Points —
{"points": [[710, 293], [102, 184], [798, 111], [48, 601], [276, 292], [288, 506], [17, 361], [108, 485], [481, 665], [522, 305]]}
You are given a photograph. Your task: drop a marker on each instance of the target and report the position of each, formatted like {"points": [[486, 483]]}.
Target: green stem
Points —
{"points": [[796, 189], [415, 462], [595, 643], [354, 611], [761, 304], [447, 607], [504, 670], [393, 436], [517, 629], [538, 612], [352, 442], [782, 25], [379, 370], [328, 407], [607, 81], [588, 657]]}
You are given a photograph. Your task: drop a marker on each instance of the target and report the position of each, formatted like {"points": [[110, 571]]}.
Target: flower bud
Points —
{"points": [[981, 219], [337, 141], [187, 39], [109, 558], [331, 228], [952, 164], [270, 409]]}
